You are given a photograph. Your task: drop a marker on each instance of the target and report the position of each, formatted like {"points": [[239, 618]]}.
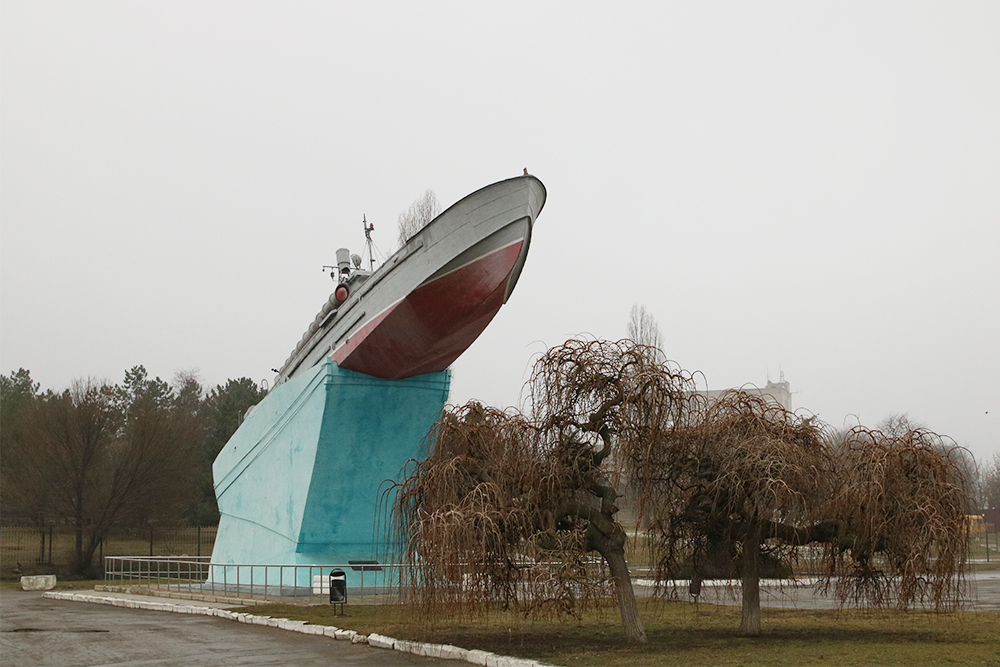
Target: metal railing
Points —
{"points": [[368, 582], [201, 577]]}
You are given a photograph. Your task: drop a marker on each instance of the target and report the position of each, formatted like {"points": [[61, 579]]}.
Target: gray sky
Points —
{"points": [[801, 187]]}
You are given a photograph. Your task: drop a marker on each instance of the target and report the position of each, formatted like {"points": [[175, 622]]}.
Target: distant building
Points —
{"points": [[778, 392]]}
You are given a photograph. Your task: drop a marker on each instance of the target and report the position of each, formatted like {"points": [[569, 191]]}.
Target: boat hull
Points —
{"points": [[435, 323], [431, 300]]}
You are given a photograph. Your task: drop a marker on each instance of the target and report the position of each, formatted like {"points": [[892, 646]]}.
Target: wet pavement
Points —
{"points": [[983, 593], [39, 632]]}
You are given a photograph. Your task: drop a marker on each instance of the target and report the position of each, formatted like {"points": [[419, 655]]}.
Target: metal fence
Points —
{"points": [[51, 548], [201, 577]]}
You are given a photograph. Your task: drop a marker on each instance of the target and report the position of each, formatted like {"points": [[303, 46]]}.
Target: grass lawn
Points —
{"points": [[681, 634], [61, 584]]}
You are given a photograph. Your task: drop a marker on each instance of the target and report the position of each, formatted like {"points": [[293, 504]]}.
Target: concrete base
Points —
{"points": [[41, 582], [300, 482]]}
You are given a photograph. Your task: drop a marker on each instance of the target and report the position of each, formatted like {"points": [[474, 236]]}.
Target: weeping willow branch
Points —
{"points": [[508, 507]]}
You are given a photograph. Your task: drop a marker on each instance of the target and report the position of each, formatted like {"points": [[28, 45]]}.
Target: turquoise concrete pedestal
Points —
{"points": [[298, 483]]}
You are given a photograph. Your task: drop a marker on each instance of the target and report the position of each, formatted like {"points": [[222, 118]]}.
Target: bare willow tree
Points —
{"points": [[416, 217], [749, 482], [899, 503], [507, 507], [717, 492], [900, 425]]}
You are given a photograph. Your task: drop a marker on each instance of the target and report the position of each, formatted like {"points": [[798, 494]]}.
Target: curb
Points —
{"points": [[444, 651], [197, 597]]}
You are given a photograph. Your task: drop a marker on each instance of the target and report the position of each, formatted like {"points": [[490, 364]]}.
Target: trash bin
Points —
{"points": [[694, 588], [338, 586]]}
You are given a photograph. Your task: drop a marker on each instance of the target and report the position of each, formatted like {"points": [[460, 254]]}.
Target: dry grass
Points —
{"points": [[61, 585], [681, 633]]}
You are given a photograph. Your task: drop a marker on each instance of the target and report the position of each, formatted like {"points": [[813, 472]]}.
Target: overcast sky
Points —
{"points": [[804, 188]]}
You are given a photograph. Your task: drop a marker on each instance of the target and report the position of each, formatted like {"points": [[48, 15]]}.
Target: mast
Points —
{"points": [[369, 244]]}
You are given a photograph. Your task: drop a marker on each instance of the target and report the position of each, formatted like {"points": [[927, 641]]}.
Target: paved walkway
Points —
{"points": [[39, 632]]}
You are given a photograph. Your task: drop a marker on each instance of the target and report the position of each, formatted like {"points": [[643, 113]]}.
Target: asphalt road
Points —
{"points": [[37, 632]]}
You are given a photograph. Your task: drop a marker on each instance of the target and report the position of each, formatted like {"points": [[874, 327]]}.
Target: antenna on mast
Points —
{"points": [[369, 244]]}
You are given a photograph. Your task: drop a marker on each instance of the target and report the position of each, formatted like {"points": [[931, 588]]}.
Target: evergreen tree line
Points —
{"points": [[99, 456]]}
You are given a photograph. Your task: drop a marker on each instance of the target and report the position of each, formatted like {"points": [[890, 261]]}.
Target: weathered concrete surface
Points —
{"points": [[38, 582], [36, 632]]}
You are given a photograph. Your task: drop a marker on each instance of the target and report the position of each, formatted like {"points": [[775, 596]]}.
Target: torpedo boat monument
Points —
{"points": [[298, 482]]}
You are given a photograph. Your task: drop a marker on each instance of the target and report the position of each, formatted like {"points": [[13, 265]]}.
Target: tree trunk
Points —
{"points": [[93, 542], [79, 567], [635, 633], [612, 547], [750, 573]]}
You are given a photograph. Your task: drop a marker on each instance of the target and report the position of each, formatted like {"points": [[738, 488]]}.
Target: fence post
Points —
{"points": [[41, 554], [150, 540], [199, 540], [50, 544]]}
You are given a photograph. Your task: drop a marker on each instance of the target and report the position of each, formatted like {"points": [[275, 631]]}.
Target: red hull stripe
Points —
{"points": [[429, 328], [473, 261]]}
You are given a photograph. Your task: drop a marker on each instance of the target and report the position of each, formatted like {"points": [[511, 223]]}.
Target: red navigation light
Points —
{"points": [[341, 293]]}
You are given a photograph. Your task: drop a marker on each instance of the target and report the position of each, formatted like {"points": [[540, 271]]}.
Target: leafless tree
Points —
{"points": [[642, 327], [991, 483], [898, 424], [901, 425], [743, 473], [416, 217], [750, 480], [98, 455], [507, 506], [60, 459], [899, 506]]}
